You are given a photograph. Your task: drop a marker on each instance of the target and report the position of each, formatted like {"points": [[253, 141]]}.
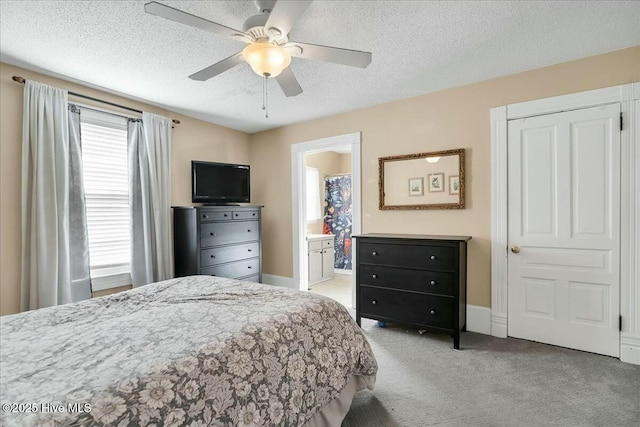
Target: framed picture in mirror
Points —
{"points": [[435, 180]]}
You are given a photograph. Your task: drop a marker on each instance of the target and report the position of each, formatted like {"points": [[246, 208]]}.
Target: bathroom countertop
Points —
{"points": [[319, 236]]}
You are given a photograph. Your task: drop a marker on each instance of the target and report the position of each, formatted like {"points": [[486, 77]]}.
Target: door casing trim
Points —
{"points": [[628, 96], [298, 186]]}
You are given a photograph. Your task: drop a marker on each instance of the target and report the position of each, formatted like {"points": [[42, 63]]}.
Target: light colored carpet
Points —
{"points": [[422, 381], [338, 288]]}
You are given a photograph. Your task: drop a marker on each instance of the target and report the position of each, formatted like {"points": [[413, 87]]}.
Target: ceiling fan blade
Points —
{"points": [[217, 68], [288, 83], [354, 58], [285, 13], [155, 8]]}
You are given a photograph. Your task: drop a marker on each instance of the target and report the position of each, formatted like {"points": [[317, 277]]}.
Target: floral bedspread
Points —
{"points": [[192, 351]]}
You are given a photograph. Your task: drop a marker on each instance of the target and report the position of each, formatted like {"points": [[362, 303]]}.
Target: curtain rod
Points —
{"points": [[22, 80]]}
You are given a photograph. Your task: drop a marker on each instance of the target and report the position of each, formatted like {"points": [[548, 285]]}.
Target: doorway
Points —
{"points": [[326, 213]]}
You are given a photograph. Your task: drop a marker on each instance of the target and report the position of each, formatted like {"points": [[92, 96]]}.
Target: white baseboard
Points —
{"points": [[630, 348], [285, 282], [498, 325], [479, 319]]}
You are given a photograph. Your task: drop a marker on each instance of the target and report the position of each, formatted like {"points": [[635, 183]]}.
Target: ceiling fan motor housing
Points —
{"points": [[254, 26]]}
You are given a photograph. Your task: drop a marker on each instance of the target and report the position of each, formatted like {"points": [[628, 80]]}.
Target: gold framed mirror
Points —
{"points": [[422, 181]]}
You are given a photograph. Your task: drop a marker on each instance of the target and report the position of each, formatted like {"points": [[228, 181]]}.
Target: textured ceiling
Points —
{"points": [[418, 47]]}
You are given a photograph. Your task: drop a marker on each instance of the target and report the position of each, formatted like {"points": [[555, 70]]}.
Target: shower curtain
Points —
{"points": [[337, 217]]}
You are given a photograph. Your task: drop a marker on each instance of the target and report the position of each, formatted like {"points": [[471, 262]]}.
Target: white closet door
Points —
{"points": [[564, 229]]}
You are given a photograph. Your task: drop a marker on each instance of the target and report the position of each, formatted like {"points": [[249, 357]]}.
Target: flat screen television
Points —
{"points": [[219, 183]]}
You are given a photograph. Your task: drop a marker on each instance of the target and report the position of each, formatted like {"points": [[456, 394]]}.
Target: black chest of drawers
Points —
{"points": [[218, 241], [418, 280]]}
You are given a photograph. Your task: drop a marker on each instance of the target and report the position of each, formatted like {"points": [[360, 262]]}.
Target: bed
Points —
{"points": [[196, 350]]}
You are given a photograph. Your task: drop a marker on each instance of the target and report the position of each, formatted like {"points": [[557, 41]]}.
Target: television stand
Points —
{"points": [[220, 204]]}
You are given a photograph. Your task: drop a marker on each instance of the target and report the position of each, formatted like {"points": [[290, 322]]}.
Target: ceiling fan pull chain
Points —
{"points": [[265, 99]]}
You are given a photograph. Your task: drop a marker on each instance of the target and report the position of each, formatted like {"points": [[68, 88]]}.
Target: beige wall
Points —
{"points": [[192, 139], [345, 163], [453, 118]]}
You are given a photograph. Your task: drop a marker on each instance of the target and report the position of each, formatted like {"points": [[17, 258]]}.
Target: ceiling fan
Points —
{"points": [[268, 49]]}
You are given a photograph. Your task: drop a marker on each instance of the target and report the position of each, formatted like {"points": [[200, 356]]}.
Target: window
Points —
{"points": [[106, 186], [313, 195]]}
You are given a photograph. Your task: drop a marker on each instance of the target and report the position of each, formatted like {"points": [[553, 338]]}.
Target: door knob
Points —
{"points": [[515, 249]]}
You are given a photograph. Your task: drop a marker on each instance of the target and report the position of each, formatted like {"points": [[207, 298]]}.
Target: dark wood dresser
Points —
{"points": [[417, 280], [218, 241]]}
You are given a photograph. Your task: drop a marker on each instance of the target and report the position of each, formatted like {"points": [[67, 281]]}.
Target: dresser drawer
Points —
{"points": [[431, 282], [221, 255], [219, 233], [234, 270], [407, 307], [255, 278], [215, 215], [314, 244], [246, 214], [414, 256]]}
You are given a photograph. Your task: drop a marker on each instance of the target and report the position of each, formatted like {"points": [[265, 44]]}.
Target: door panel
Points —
{"points": [[591, 186], [564, 210], [539, 186], [315, 266], [328, 262]]}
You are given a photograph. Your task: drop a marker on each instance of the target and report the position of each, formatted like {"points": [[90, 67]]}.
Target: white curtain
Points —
{"points": [[78, 233], [47, 185], [150, 198]]}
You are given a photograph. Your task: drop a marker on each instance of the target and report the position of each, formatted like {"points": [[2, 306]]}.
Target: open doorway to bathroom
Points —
{"points": [[329, 222], [326, 213]]}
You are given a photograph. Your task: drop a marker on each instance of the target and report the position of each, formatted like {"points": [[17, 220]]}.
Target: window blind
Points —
{"points": [[105, 171]]}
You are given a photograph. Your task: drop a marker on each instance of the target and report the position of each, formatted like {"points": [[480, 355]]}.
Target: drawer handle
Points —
{"points": [[205, 216], [433, 283], [254, 214], [250, 250], [432, 257], [248, 231], [213, 256], [432, 312], [236, 214], [249, 267], [374, 253], [375, 276], [374, 302], [225, 215], [212, 233]]}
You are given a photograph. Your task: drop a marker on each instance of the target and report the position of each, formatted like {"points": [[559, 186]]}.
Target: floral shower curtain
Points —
{"points": [[338, 218]]}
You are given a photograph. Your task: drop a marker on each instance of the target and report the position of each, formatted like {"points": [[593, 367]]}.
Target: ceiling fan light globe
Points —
{"points": [[266, 59]]}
